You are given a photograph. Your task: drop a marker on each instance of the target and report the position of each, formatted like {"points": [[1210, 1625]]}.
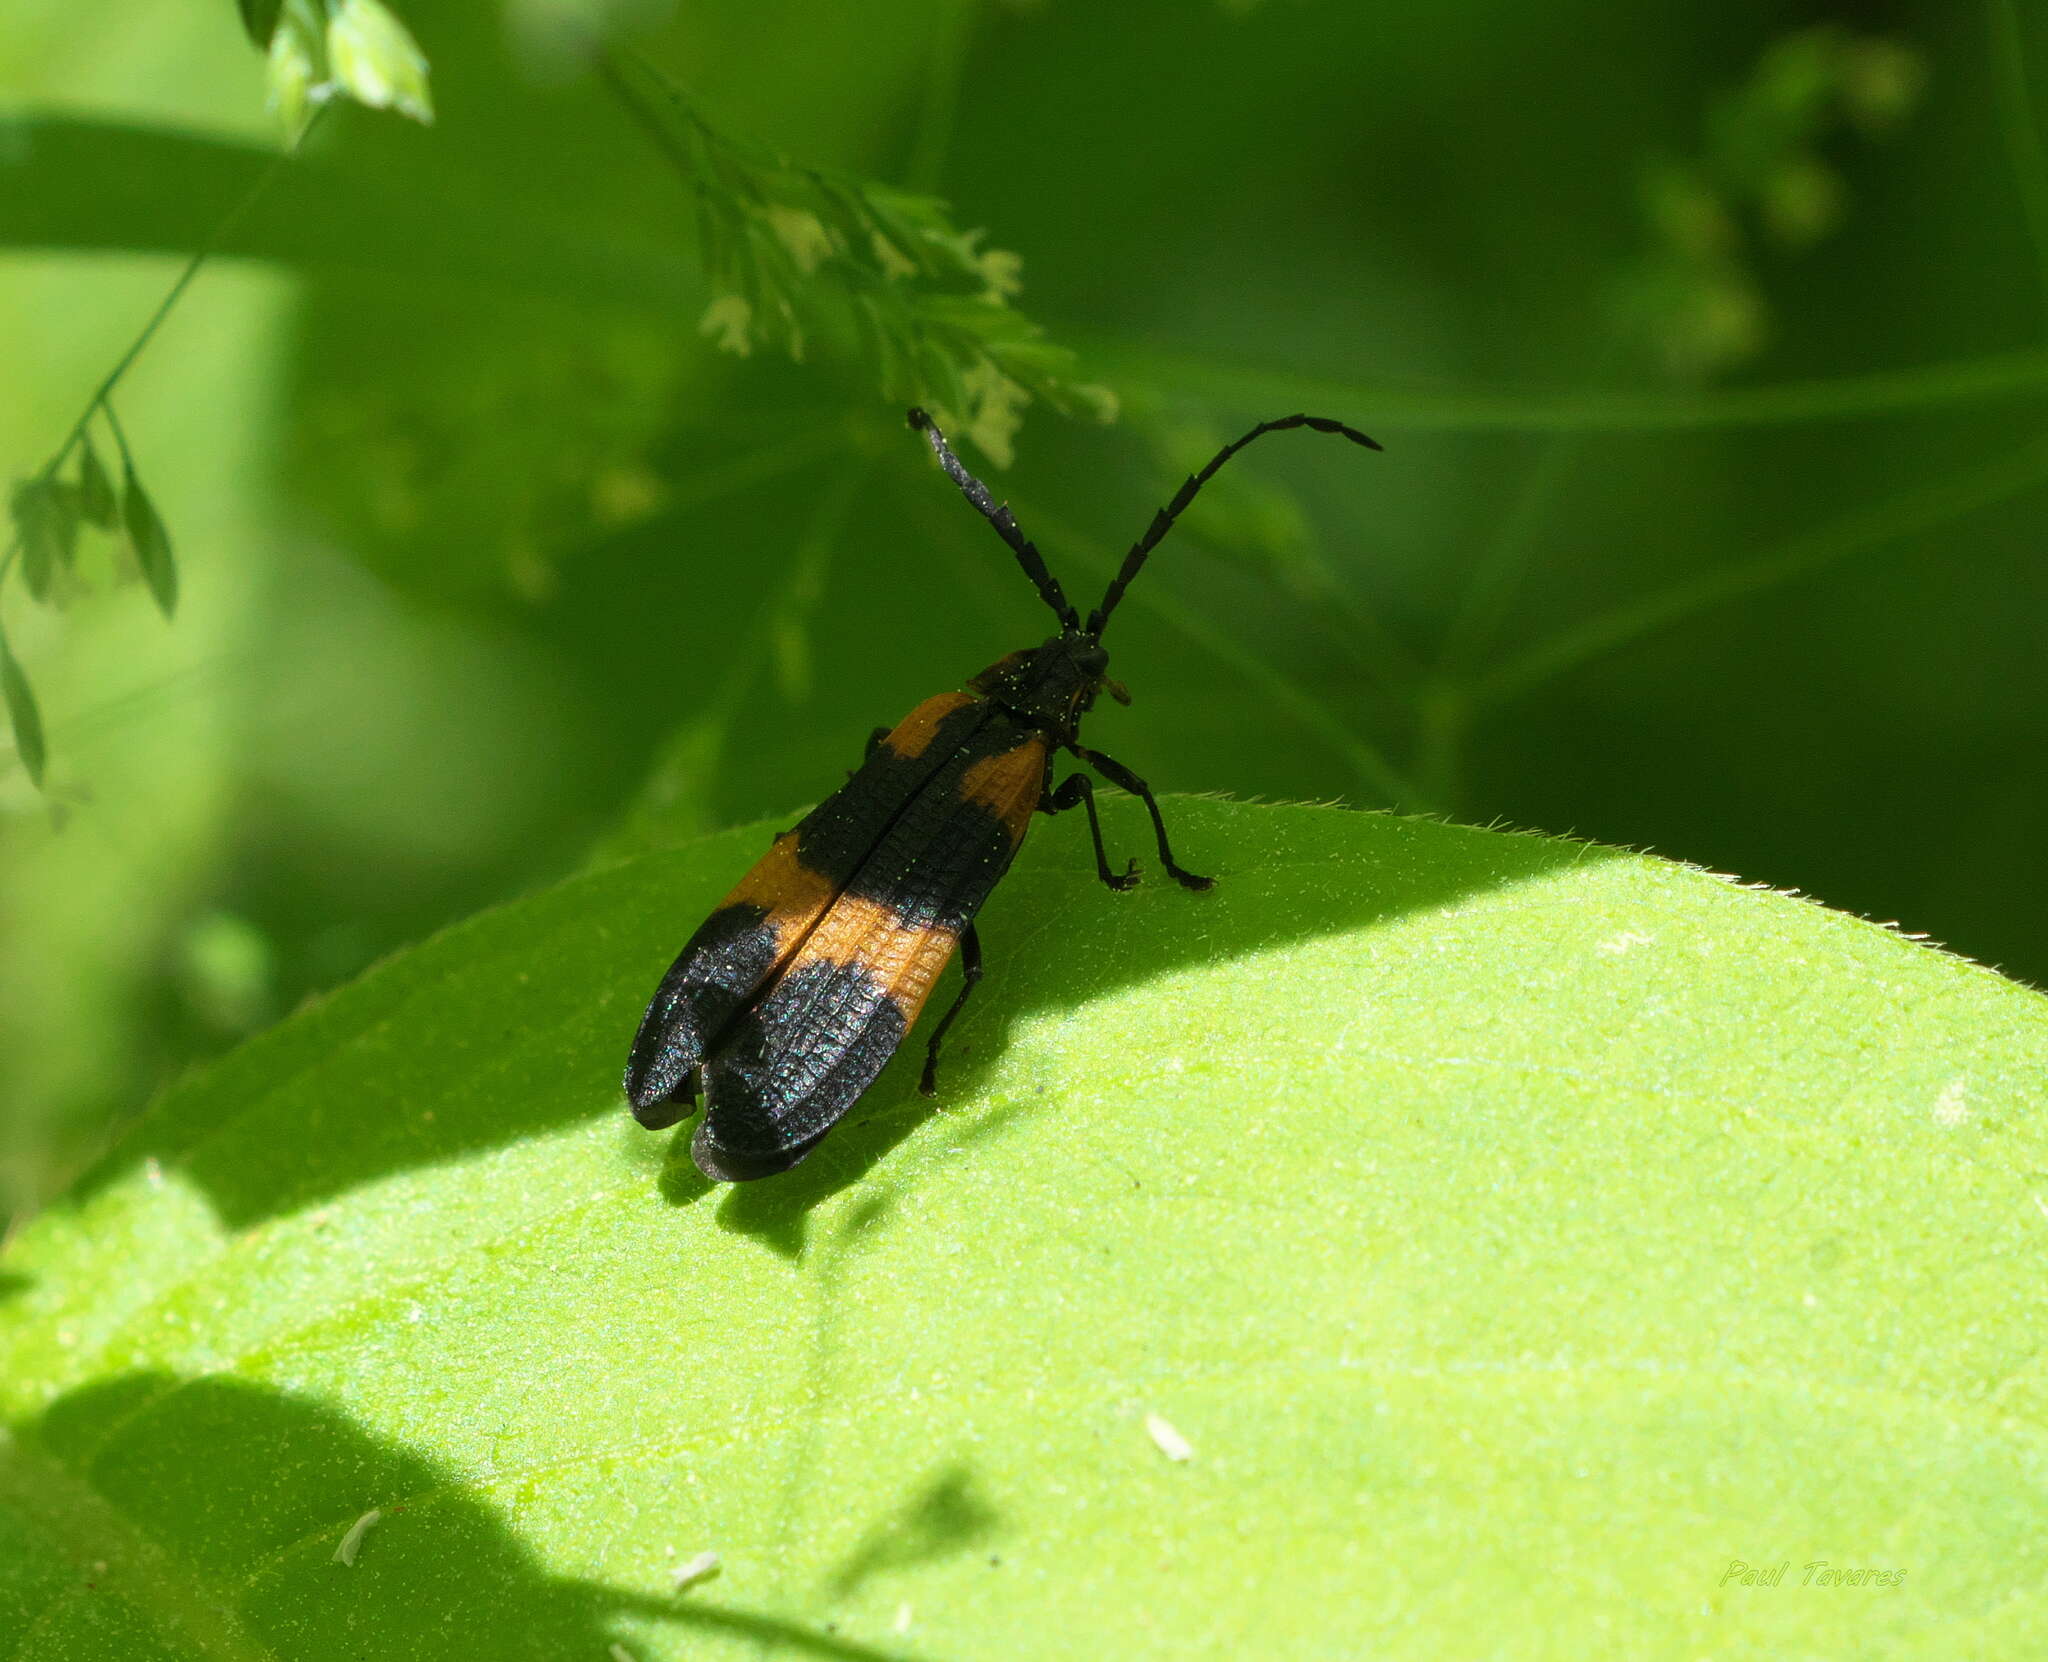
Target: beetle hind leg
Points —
{"points": [[970, 975]]}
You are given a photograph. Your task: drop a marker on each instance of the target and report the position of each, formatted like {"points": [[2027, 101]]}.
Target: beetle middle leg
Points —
{"points": [[1117, 774], [1079, 788], [970, 974]]}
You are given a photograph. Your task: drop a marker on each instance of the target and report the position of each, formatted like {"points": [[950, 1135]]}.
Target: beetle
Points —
{"points": [[804, 980]]}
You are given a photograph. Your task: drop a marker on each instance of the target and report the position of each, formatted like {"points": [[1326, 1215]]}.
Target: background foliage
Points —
{"points": [[1703, 345]]}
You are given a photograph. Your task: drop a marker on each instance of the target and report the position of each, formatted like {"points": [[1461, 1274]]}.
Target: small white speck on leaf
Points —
{"points": [[1952, 1107], [1169, 1441], [701, 1568], [153, 1172], [902, 1624], [619, 1653], [352, 1542], [1627, 941]]}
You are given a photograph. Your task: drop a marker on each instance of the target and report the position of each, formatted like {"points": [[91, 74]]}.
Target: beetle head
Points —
{"points": [[1052, 685]]}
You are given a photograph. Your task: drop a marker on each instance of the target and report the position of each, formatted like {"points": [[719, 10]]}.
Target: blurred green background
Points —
{"points": [[1706, 339]]}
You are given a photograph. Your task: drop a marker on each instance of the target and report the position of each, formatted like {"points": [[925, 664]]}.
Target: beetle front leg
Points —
{"points": [[1117, 774], [1079, 788]]}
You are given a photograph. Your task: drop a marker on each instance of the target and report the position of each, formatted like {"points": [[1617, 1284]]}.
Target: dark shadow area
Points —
{"points": [[515, 1024], [203, 1516], [12, 1282]]}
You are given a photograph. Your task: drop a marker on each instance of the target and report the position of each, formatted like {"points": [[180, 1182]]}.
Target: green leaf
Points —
{"points": [[1519, 1233], [150, 541], [297, 71], [25, 718], [259, 17], [376, 61], [96, 500], [46, 524]]}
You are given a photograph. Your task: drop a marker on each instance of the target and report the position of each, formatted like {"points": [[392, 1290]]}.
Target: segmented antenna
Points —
{"points": [[1162, 522], [999, 515]]}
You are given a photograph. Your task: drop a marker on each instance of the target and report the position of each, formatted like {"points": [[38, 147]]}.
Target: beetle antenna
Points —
{"points": [[999, 515], [1162, 522]]}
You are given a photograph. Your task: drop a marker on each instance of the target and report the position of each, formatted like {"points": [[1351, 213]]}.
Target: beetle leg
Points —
{"points": [[970, 973], [1079, 788], [1117, 774]]}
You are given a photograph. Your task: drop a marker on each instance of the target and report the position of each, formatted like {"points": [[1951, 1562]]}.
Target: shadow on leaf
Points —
{"points": [[514, 1024], [202, 1517]]}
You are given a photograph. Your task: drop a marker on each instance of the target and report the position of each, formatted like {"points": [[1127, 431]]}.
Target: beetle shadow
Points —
{"points": [[179, 1479], [1032, 970]]}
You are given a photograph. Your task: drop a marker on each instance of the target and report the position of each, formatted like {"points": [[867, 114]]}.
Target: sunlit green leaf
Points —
{"points": [[1480, 1243], [150, 541]]}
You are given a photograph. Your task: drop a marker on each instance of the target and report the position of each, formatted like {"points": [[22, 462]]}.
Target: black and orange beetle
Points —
{"points": [[800, 986]]}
